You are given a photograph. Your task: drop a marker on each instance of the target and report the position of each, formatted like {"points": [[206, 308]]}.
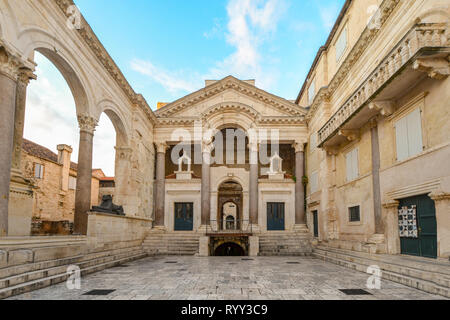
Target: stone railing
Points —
{"points": [[420, 37]]}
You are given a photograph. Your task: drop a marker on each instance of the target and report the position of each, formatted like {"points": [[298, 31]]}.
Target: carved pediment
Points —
{"points": [[231, 88]]}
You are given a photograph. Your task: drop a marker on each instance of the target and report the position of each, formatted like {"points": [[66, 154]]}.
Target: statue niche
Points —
{"points": [[107, 206]]}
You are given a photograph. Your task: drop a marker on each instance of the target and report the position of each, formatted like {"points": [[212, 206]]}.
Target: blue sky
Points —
{"points": [[166, 49]]}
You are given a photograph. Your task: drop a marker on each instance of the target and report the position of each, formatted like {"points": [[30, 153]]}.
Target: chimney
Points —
{"points": [[64, 153]]}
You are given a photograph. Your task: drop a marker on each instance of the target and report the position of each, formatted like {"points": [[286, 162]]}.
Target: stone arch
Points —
{"points": [[120, 125], [35, 39], [231, 114]]}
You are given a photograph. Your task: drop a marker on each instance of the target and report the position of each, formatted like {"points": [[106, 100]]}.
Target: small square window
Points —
{"points": [[354, 214]]}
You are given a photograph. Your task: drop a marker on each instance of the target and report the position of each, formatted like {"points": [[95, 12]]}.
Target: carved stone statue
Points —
{"points": [[107, 206]]}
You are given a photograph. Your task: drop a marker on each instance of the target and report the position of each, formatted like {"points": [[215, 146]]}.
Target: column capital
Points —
{"points": [[391, 204], [9, 64], [124, 152], [298, 146], [87, 123], [161, 147], [25, 75]]}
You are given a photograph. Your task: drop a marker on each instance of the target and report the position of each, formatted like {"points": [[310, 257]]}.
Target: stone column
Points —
{"points": [[253, 183], [300, 218], [392, 237], [25, 75], [206, 184], [9, 67], [84, 173], [379, 225], [160, 186], [442, 203], [122, 190]]}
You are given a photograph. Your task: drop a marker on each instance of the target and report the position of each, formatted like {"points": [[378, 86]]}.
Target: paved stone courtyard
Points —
{"points": [[228, 278]]}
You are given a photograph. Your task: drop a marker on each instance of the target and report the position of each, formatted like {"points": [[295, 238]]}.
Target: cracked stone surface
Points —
{"points": [[228, 278]]}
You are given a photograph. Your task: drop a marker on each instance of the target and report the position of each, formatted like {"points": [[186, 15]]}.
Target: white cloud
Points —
{"points": [[171, 81], [250, 24], [50, 118]]}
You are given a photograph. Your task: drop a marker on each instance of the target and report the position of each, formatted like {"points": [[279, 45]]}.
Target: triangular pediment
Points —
{"points": [[226, 90]]}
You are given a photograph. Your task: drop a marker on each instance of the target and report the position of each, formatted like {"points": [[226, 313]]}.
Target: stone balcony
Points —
{"points": [[423, 52]]}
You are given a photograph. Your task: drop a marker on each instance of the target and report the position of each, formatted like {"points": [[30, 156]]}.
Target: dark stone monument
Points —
{"points": [[107, 206]]}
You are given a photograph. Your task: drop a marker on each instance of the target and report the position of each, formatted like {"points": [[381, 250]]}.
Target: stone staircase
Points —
{"points": [[23, 278], [171, 243], [429, 275], [285, 243]]}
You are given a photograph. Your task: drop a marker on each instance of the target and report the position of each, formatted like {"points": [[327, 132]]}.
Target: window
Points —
{"points": [[313, 141], [408, 132], [314, 182], [38, 171], [354, 214], [311, 91], [352, 165], [72, 183], [316, 223], [341, 44]]}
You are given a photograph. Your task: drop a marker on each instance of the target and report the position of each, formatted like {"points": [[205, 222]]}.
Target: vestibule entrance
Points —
{"points": [[229, 246], [230, 199]]}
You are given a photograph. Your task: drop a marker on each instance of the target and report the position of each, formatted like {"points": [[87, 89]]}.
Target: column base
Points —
{"points": [[301, 228], [20, 207], [203, 229], [203, 250], [159, 229], [253, 246], [254, 228]]}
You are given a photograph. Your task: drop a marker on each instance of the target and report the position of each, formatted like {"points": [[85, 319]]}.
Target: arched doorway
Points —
{"points": [[230, 199], [229, 249]]}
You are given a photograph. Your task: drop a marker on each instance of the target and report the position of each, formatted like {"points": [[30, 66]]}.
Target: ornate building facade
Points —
{"points": [[358, 162]]}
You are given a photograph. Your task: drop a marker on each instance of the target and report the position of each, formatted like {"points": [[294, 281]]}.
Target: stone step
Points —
{"points": [[61, 277], [83, 264], [429, 281]]}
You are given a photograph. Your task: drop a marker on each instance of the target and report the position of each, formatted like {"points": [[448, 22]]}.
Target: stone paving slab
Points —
{"points": [[228, 278]]}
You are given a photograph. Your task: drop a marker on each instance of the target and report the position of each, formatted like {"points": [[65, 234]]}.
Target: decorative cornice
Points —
{"points": [[230, 82], [421, 38], [235, 107], [87, 123], [25, 75], [439, 196], [386, 8], [105, 59]]}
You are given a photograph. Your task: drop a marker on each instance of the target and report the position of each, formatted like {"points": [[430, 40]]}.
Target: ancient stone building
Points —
{"points": [[53, 177], [359, 163]]}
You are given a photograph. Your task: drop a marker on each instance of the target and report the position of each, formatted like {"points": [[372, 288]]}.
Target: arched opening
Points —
{"points": [[229, 249], [231, 147], [230, 199], [49, 149], [104, 161]]}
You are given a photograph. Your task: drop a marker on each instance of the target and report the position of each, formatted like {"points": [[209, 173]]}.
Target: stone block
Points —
{"points": [[60, 252], [21, 256], [253, 246], [3, 259], [203, 247]]}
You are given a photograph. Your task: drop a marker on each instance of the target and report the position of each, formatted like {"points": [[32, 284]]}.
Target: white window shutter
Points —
{"points": [[341, 44], [314, 182], [349, 166], [401, 133], [414, 124], [355, 165]]}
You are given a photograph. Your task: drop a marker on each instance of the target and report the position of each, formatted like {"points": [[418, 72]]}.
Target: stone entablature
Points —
{"points": [[369, 34], [414, 48]]}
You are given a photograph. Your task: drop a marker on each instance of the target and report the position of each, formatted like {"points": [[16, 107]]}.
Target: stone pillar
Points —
{"points": [[160, 186], [122, 192], [253, 184], [392, 237], [9, 67], [84, 173], [300, 218], [206, 184], [379, 225], [442, 203], [25, 75]]}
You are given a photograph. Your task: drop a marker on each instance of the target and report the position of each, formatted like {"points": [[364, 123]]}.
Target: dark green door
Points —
{"points": [[316, 223], [275, 216], [184, 217], [424, 243]]}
